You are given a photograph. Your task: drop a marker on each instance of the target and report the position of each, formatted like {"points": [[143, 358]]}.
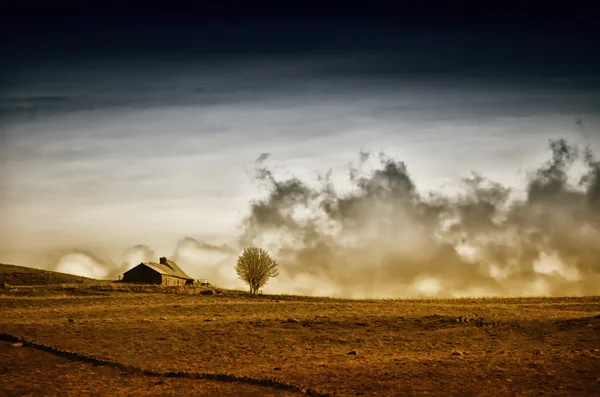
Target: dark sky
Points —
{"points": [[231, 29]]}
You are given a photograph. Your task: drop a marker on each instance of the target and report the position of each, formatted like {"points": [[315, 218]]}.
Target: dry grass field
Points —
{"points": [[111, 340]]}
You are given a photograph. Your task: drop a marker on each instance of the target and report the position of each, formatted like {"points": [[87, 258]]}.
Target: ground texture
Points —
{"points": [[100, 342]]}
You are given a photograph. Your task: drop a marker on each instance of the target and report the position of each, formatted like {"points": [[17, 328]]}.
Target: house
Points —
{"points": [[165, 272]]}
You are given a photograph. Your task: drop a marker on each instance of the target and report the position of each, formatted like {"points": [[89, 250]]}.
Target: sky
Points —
{"points": [[128, 137]]}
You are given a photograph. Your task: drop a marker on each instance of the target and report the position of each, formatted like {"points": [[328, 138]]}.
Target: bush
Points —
{"points": [[255, 267]]}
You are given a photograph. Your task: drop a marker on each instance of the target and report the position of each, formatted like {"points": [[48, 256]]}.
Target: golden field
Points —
{"points": [[111, 340]]}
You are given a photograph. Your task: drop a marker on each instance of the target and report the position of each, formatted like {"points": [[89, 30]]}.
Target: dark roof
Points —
{"points": [[170, 269]]}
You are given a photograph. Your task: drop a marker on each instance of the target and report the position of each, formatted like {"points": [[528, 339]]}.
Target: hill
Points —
{"points": [[22, 276]]}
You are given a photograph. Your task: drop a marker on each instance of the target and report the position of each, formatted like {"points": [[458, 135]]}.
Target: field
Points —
{"points": [[109, 340]]}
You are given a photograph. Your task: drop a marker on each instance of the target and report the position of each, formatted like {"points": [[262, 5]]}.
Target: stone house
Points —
{"points": [[165, 272]]}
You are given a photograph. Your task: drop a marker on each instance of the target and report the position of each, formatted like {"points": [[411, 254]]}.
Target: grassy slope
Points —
{"points": [[20, 275]]}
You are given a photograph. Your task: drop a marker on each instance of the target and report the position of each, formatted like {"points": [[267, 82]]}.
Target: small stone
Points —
{"points": [[456, 353], [352, 353], [207, 292], [276, 369], [538, 352], [293, 320], [163, 318], [208, 319], [18, 344], [71, 320]]}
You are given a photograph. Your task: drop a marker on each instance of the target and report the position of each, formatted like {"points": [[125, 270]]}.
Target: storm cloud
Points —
{"points": [[384, 239]]}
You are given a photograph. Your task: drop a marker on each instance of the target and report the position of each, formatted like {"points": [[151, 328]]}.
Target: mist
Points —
{"points": [[378, 236], [385, 239]]}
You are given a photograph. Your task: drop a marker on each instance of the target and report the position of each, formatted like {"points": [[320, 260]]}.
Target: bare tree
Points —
{"points": [[255, 267]]}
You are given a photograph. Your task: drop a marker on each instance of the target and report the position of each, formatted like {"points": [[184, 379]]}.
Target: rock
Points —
{"points": [[456, 353], [538, 352], [292, 320], [276, 369], [306, 324], [352, 353], [207, 292], [361, 324], [209, 319], [18, 344], [176, 306], [146, 320], [163, 318], [71, 320]]}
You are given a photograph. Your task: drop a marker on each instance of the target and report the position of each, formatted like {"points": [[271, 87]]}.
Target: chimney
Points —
{"points": [[163, 260]]}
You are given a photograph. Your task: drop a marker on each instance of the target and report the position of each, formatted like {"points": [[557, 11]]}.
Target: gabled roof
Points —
{"points": [[170, 269]]}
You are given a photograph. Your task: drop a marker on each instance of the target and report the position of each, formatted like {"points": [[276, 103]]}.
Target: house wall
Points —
{"points": [[142, 274], [170, 280]]}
